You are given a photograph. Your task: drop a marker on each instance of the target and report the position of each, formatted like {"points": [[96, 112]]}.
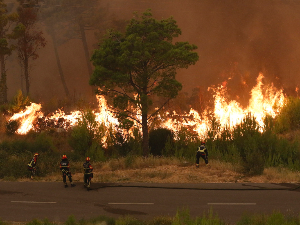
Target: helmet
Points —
{"points": [[87, 159], [36, 154], [64, 157], [202, 142]]}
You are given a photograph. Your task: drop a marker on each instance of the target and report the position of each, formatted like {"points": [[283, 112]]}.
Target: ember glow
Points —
{"points": [[265, 100]]}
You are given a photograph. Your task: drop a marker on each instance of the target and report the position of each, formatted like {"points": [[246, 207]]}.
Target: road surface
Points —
{"points": [[25, 201]]}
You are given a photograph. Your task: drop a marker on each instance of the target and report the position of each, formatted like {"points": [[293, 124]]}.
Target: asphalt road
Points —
{"points": [[25, 201]]}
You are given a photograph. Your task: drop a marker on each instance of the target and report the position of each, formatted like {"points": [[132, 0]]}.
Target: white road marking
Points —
{"points": [[129, 203], [32, 202], [231, 203]]}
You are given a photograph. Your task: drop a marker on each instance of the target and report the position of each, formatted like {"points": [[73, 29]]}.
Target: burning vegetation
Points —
{"points": [[243, 136], [265, 100]]}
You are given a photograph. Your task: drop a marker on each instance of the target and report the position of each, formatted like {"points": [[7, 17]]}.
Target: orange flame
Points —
{"points": [[230, 113], [265, 100], [27, 117]]}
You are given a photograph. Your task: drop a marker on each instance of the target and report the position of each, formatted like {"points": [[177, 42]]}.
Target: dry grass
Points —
{"points": [[172, 170]]}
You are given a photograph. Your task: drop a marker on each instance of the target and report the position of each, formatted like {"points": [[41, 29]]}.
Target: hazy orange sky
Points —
{"points": [[235, 38]]}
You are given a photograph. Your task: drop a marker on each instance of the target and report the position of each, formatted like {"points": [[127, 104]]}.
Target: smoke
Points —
{"points": [[236, 39]]}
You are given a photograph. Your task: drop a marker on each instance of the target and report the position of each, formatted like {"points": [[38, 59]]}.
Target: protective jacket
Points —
{"points": [[64, 165], [202, 150], [32, 163], [201, 153], [87, 168]]}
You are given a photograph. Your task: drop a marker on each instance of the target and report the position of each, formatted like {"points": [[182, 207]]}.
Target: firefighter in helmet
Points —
{"points": [[88, 172], [65, 169], [203, 153], [32, 165]]}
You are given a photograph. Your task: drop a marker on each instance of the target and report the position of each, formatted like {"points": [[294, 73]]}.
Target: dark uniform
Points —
{"points": [[88, 172], [65, 169], [32, 165], [203, 153]]}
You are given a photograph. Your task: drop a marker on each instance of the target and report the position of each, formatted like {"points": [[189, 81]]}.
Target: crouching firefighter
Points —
{"points": [[203, 153], [32, 165], [88, 173], [65, 169]]}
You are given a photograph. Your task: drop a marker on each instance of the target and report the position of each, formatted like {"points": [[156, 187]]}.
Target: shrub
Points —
{"points": [[118, 145], [100, 220], [129, 160], [80, 140], [48, 163], [186, 144], [19, 102], [135, 142], [13, 166], [161, 221], [182, 217], [42, 143], [12, 127], [158, 139], [86, 133], [127, 220], [289, 117], [168, 150], [276, 218], [71, 221], [15, 147], [252, 162], [96, 152]]}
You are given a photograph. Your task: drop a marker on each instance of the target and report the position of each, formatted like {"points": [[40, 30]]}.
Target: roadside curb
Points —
{"points": [[210, 186]]}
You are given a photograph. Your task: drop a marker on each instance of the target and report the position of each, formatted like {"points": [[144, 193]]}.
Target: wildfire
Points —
{"points": [[230, 113], [265, 100], [27, 117]]}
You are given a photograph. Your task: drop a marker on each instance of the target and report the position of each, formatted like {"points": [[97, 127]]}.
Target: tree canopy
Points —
{"points": [[134, 67]]}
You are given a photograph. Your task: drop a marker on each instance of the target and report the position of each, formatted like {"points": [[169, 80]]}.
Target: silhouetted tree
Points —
{"points": [[52, 16], [80, 15], [6, 20], [134, 67], [29, 38]]}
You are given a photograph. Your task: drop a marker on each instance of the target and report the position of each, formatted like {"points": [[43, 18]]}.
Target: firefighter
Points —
{"points": [[88, 172], [203, 153], [65, 169], [32, 165]]}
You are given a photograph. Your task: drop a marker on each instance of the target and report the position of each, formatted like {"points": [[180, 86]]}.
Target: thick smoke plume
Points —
{"points": [[236, 40]]}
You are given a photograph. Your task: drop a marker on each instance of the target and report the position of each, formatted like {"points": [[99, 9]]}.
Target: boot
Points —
{"points": [[73, 185], [66, 185]]}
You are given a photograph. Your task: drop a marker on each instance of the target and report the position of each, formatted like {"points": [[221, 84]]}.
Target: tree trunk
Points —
{"points": [[86, 49], [3, 85], [61, 73], [145, 134], [26, 74], [144, 109]]}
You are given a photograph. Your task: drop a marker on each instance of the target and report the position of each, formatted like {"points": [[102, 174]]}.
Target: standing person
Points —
{"points": [[203, 153], [88, 172], [65, 169], [32, 165]]}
